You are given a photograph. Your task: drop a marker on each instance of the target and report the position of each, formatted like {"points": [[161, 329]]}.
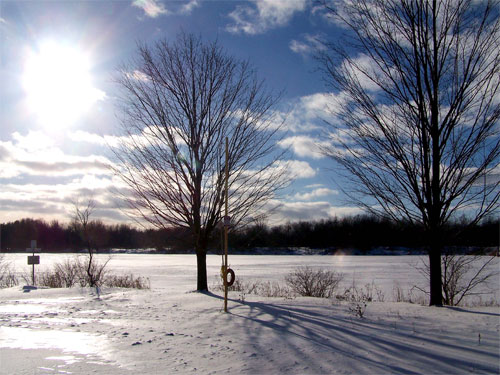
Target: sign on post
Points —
{"points": [[33, 259]]}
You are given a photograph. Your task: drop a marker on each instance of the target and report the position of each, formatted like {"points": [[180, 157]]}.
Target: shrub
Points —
{"points": [[413, 295], [264, 289], [127, 281], [50, 279], [358, 299], [73, 272], [91, 272], [7, 276], [308, 282], [68, 273], [273, 289]]}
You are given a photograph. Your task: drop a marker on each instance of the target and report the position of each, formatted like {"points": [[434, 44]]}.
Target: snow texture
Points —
{"points": [[171, 329]]}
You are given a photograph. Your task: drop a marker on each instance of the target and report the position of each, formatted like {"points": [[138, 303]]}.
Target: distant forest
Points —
{"points": [[358, 232]]}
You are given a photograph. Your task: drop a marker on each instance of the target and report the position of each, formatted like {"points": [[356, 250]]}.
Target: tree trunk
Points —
{"points": [[201, 261], [435, 275], [90, 271]]}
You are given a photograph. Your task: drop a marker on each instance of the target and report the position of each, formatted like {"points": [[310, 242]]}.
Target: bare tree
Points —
{"points": [[88, 230], [417, 106], [180, 100], [463, 275]]}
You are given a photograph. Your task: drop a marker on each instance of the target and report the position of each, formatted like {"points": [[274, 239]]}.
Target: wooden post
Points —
{"points": [[226, 230], [32, 260], [33, 246]]}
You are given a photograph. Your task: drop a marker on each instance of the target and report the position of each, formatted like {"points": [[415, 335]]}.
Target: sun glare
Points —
{"points": [[58, 84]]}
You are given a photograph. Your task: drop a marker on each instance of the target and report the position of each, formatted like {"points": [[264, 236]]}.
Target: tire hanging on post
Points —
{"points": [[230, 282]]}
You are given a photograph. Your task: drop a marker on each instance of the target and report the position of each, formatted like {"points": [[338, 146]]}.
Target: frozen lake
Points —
{"points": [[169, 330], [167, 272]]}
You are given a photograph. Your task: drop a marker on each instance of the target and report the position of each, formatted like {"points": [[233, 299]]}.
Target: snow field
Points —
{"points": [[170, 329]]}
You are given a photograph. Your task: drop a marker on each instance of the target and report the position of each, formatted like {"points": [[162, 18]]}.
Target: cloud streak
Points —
{"points": [[308, 211], [308, 44], [316, 193], [151, 8], [304, 146], [155, 8], [264, 15]]}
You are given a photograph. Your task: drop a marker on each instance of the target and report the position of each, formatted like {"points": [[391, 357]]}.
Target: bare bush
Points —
{"points": [[358, 298], [273, 289], [308, 282], [66, 274], [357, 306], [71, 272], [259, 288], [412, 295], [127, 281], [8, 277], [91, 272], [50, 279], [371, 292]]}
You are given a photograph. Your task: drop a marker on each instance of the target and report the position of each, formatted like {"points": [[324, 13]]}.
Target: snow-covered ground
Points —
{"points": [[171, 329]]}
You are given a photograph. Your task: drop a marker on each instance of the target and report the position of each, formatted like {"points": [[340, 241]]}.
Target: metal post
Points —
{"points": [[225, 231], [33, 272], [32, 260]]}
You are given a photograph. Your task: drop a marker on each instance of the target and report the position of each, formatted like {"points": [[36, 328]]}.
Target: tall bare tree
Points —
{"points": [[180, 101], [417, 104]]}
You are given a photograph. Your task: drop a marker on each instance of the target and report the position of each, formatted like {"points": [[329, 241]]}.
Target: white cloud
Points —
{"points": [[304, 146], [137, 75], [149, 135], [54, 200], [38, 179], [314, 186], [294, 169], [101, 140], [309, 44], [308, 112], [307, 211], [264, 15], [316, 103], [36, 154], [151, 8], [156, 8], [316, 193], [364, 69], [189, 7], [300, 169]]}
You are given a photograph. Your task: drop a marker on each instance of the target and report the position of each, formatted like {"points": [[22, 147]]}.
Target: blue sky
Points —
{"points": [[52, 155]]}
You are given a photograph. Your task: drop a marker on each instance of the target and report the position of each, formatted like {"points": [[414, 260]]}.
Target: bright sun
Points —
{"points": [[58, 84]]}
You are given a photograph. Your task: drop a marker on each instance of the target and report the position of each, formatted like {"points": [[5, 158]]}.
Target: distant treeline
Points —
{"points": [[359, 232], [363, 233]]}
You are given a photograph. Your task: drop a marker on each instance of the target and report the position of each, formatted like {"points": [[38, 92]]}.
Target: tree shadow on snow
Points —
{"points": [[461, 309], [319, 335]]}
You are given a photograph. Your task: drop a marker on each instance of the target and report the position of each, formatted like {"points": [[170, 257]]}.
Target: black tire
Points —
{"points": [[233, 277]]}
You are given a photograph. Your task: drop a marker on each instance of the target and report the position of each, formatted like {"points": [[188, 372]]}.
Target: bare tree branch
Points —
{"points": [[417, 131], [180, 101]]}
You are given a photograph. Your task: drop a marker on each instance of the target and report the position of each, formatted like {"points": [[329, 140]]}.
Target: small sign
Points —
{"points": [[33, 247], [33, 259]]}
